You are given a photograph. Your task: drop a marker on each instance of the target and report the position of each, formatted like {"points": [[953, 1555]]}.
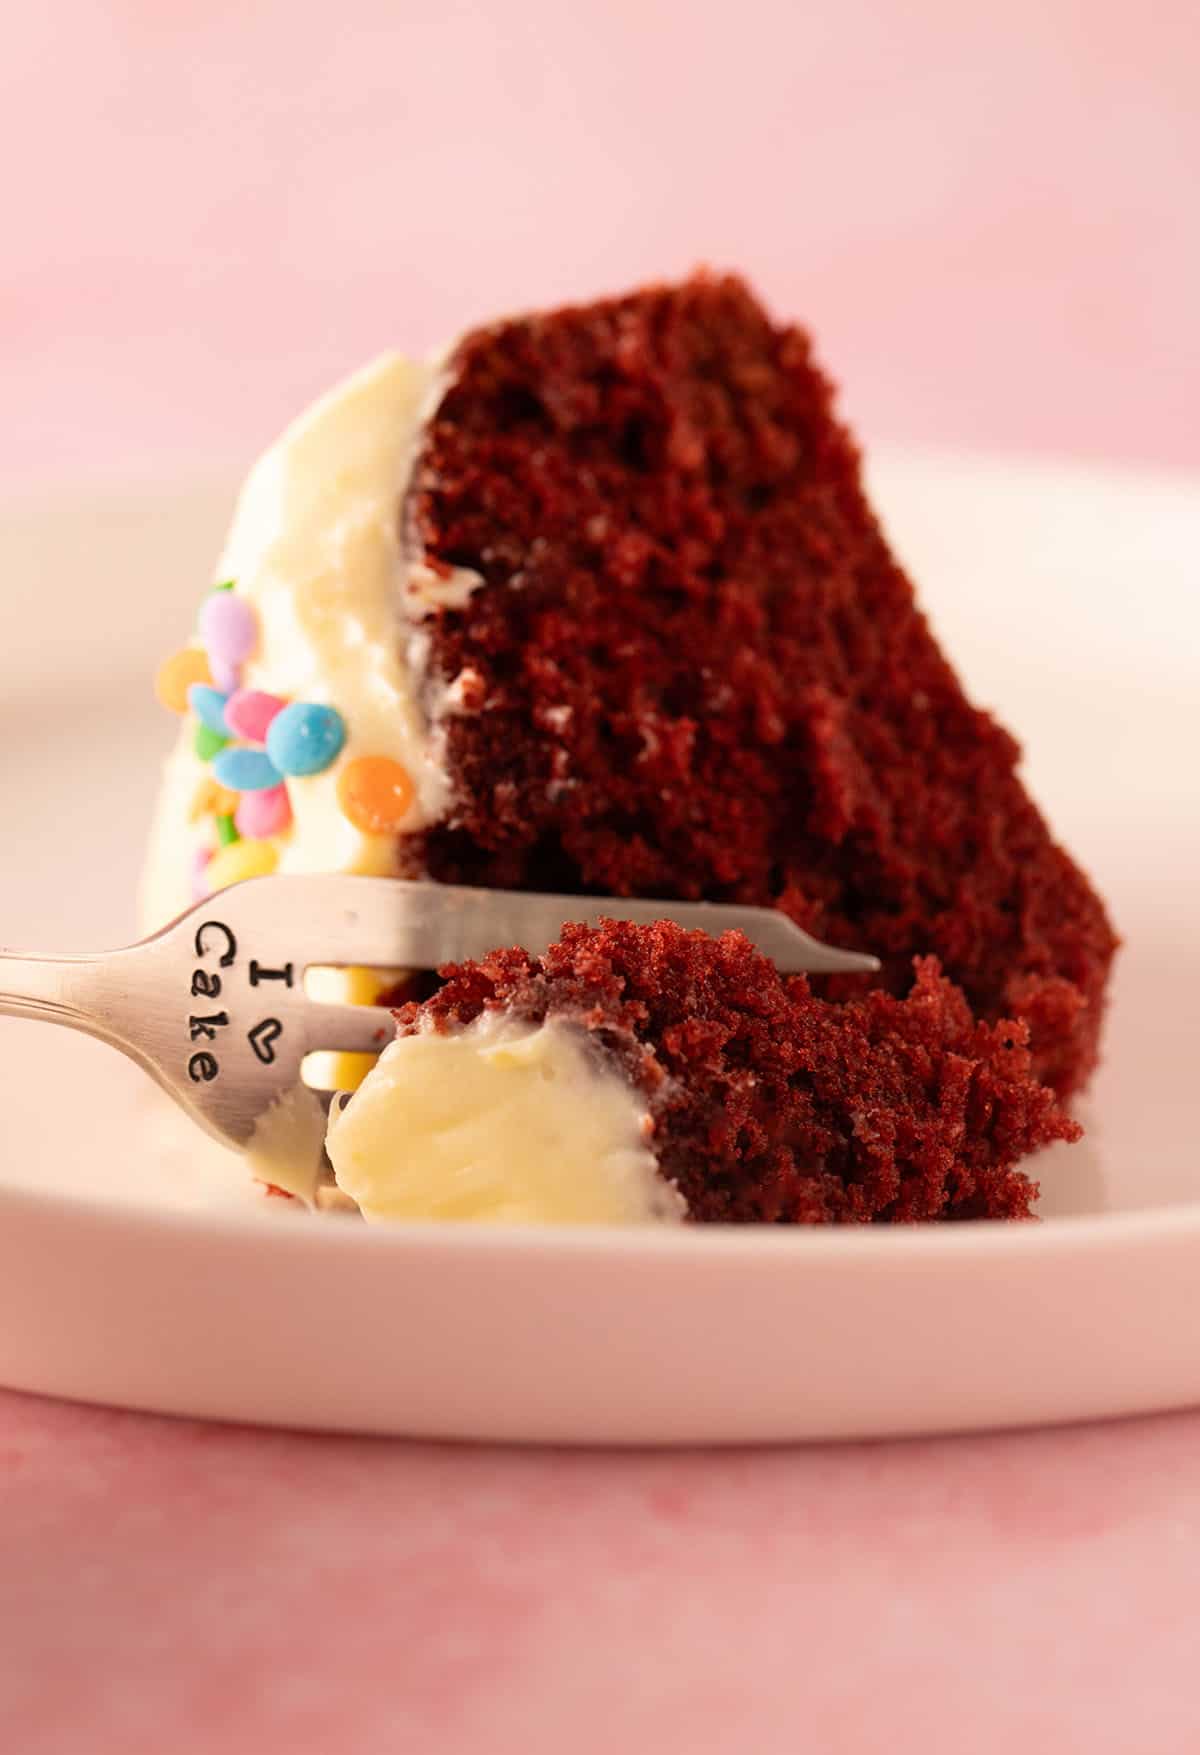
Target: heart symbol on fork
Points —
{"points": [[263, 1038]]}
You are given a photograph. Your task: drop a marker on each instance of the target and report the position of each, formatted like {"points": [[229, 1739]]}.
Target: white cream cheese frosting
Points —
{"points": [[501, 1122], [318, 551]]}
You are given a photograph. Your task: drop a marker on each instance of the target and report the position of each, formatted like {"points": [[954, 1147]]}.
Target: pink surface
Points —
{"points": [[988, 215], [192, 1588]]}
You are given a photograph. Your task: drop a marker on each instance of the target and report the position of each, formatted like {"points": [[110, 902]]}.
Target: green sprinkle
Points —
{"points": [[227, 831], [208, 743]]}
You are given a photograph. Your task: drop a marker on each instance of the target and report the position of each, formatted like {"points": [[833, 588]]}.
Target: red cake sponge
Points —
{"points": [[696, 669]]}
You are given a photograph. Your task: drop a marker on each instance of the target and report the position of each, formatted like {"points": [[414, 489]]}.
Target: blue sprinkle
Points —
{"points": [[305, 738], [245, 770], [209, 707]]}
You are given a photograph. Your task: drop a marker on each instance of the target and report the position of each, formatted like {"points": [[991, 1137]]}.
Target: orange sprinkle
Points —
{"points": [[176, 675], [375, 793]]}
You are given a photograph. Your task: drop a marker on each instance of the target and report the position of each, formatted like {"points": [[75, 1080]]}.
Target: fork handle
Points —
{"points": [[79, 992]]}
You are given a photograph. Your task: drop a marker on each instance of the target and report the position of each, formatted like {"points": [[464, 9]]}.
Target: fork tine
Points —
{"points": [[792, 949], [402, 924]]}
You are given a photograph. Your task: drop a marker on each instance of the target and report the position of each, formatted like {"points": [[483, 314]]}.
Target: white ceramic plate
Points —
{"points": [[136, 1268]]}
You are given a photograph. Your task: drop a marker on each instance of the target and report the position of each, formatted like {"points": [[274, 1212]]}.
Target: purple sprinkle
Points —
{"points": [[225, 676], [228, 628]]}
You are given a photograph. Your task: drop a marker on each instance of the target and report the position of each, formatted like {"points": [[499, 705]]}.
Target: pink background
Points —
{"points": [[986, 212], [989, 216]]}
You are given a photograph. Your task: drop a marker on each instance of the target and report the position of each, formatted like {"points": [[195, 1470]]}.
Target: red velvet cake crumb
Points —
{"points": [[698, 671], [772, 1105]]}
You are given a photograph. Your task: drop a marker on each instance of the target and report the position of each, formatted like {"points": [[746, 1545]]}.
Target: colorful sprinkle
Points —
{"points": [[305, 738], [249, 712], [227, 831], [208, 743], [375, 793], [209, 707], [244, 770], [240, 860], [260, 814], [211, 800], [227, 677], [228, 628], [204, 799], [177, 674]]}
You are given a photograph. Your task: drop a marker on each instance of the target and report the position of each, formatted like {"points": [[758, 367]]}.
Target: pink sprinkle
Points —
{"points": [[260, 814], [228, 627], [249, 712], [200, 859]]}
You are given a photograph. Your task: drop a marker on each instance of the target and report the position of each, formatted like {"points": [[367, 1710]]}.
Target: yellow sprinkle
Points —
{"points": [[329, 1071], [349, 986], [202, 801], [241, 859], [212, 800], [176, 675]]}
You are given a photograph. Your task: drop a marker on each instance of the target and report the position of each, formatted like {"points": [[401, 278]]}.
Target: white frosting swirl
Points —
{"points": [[317, 550]]}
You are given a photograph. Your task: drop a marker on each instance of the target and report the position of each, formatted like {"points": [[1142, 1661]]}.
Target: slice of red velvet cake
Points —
{"points": [[695, 669], [706, 1086], [595, 603]]}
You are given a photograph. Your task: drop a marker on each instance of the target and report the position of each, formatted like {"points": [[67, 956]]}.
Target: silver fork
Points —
{"points": [[214, 1007]]}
